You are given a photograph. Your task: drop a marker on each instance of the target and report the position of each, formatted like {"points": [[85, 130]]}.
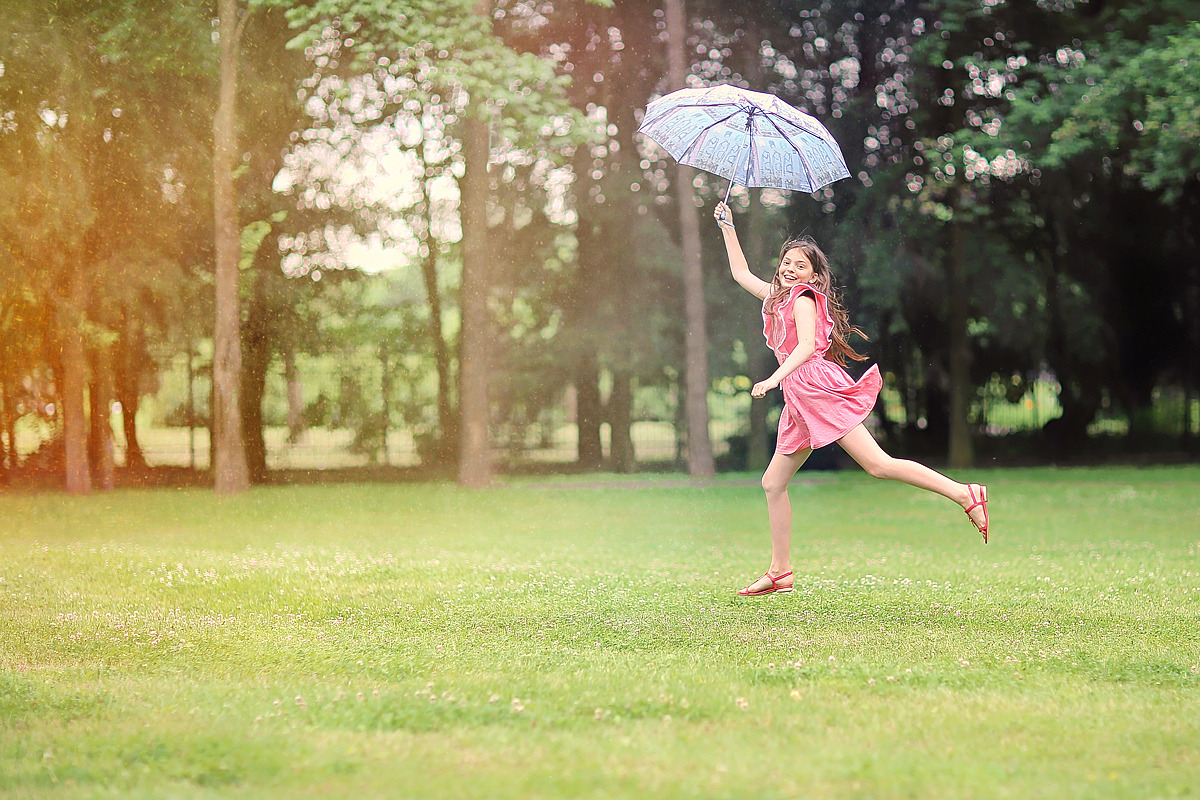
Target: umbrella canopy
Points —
{"points": [[750, 138]]}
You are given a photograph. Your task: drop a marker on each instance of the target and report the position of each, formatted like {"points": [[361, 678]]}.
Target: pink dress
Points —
{"points": [[821, 402]]}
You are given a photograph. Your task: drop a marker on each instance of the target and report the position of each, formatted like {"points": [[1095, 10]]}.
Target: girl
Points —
{"points": [[805, 324]]}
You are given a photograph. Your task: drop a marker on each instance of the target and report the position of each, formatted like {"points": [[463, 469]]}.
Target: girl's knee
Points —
{"points": [[880, 468], [772, 485]]}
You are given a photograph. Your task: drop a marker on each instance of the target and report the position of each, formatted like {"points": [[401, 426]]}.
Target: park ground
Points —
{"points": [[580, 637]]}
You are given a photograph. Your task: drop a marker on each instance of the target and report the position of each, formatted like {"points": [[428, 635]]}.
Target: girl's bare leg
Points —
{"points": [[779, 510], [863, 448]]}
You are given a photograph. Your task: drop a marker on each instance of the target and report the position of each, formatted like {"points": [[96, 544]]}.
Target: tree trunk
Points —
{"points": [[441, 352], [95, 436], [620, 413], [191, 405], [295, 394], [588, 412], [621, 273], [8, 445], [474, 466], [230, 473], [101, 443], [385, 391], [680, 422], [126, 370], [256, 343], [961, 450], [78, 480], [699, 449], [582, 307]]}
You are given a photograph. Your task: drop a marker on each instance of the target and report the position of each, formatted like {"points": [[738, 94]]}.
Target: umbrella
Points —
{"points": [[751, 138]]}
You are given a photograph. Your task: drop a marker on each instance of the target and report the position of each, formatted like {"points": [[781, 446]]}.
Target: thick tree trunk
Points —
{"points": [[256, 349], [582, 307], [230, 473], [699, 449], [961, 450], [620, 413], [474, 466], [681, 432], [74, 368]]}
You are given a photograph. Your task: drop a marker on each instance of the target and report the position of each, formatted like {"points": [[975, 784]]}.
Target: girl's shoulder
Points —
{"points": [[786, 302], [802, 289], [819, 298]]}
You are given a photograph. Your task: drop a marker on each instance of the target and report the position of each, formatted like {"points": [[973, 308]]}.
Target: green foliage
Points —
{"points": [[1132, 102], [456, 45], [570, 639]]}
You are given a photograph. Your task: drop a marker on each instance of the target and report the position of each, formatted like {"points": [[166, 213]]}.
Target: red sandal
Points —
{"points": [[976, 502], [774, 587]]}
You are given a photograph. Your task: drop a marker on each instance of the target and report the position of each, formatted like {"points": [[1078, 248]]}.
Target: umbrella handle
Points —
{"points": [[749, 139]]}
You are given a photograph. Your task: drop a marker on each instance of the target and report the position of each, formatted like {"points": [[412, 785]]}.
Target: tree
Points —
{"points": [[699, 448], [1107, 114], [474, 467], [230, 474], [612, 55], [86, 177], [493, 84]]}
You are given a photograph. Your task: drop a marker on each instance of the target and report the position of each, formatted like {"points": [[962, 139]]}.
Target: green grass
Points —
{"points": [[563, 639]]}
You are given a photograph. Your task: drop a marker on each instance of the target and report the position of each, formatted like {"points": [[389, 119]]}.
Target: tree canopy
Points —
{"points": [[1021, 216]]}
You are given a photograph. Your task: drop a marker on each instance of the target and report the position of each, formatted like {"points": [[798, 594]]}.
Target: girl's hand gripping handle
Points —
{"points": [[723, 215]]}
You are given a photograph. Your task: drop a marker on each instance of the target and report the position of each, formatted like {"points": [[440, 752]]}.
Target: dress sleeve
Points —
{"points": [[824, 318], [821, 300]]}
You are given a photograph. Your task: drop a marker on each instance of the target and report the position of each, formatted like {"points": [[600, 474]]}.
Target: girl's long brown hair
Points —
{"points": [[839, 347]]}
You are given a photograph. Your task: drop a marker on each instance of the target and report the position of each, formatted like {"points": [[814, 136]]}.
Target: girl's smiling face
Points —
{"points": [[794, 268]]}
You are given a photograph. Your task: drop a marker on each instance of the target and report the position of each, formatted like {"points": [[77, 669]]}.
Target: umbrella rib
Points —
{"points": [[795, 125], [739, 110], [799, 152], [705, 130]]}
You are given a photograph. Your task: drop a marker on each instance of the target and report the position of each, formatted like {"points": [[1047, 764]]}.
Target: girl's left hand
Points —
{"points": [[761, 388]]}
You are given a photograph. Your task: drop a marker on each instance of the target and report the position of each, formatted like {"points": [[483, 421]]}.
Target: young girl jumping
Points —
{"points": [[806, 326]]}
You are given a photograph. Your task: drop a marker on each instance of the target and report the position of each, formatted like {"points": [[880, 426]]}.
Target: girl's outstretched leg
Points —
{"points": [[863, 448], [779, 509]]}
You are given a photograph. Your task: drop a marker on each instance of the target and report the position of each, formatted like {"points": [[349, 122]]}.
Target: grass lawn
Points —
{"points": [[569, 639]]}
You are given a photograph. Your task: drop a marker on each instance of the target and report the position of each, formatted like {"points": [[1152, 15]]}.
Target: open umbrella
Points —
{"points": [[751, 138]]}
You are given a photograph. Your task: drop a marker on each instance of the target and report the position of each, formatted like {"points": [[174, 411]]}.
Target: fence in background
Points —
{"points": [[335, 420], [549, 443]]}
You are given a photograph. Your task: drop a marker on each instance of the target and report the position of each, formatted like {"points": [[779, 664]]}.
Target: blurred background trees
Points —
{"points": [[454, 252]]}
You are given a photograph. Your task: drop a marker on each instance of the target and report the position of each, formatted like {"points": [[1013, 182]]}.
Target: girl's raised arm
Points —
{"points": [[737, 260]]}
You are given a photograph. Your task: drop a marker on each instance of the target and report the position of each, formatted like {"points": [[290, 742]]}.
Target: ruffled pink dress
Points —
{"points": [[821, 402]]}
